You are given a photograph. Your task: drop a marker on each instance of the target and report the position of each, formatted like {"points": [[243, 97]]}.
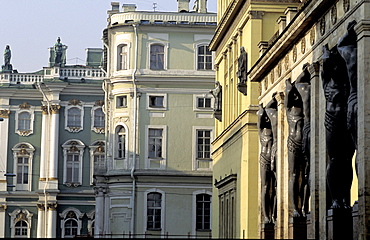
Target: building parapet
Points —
{"points": [[20, 78]]}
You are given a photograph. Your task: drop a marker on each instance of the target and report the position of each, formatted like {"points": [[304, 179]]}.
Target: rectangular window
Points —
{"points": [[203, 211], [22, 171], [74, 117], [156, 56], [155, 143], [154, 211], [24, 121], [204, 58], [99, 118], [98, 161], [73, 165], [121, 102], [122, 57], [156, 101], [204, 102], [203, 144]]}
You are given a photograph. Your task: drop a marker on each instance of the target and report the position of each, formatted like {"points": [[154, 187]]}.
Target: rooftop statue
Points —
{"points": [[7, 55], [58, 48]]}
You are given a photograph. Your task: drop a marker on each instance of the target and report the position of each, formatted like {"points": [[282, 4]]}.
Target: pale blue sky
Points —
{"points": [[30, 27]]}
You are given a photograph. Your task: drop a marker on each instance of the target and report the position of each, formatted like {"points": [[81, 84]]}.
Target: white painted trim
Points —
{"points": [[13, 221], [73, 129], [194, 146], [163, 161], [115, 141], [163, 207], [165, 59], [119, 43], [194, 209], [164, 95], [66, 145], [204, 95], [32, 119], [94, 145], [93, 128], [196, 45], [16, 151]]}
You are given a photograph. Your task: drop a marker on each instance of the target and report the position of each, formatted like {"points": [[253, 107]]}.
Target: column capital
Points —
{"points": [[280, 96], [4, 113], [100, 190], [54, 109]]}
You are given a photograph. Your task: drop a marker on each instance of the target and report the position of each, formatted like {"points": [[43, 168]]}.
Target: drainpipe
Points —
{"points": [[135, 131], [47, 164]]}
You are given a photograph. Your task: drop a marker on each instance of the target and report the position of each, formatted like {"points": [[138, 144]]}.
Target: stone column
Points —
{"points": [[363, 155], [54, 137], [4, 133], [52, 220], [2, 220], [40, 220], [99, 211], [44, 141], [317, 153], [281, 172]]}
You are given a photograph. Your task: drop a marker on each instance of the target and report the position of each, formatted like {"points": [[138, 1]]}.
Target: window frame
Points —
{"points": [[64, 218], [96, 146], [148, 101], [196, 61], [165, 53], [20, 215], [120, 163], [97, 129], [73, 146], [197, 160], [204, 96], [74, 129], [23, 149], [163, 159], [163, 208], [24, 132], [119, 66], [194, 211], [119, 106]]}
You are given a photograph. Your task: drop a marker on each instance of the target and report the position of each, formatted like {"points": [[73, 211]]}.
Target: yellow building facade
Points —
{"points": [[248, 24]]}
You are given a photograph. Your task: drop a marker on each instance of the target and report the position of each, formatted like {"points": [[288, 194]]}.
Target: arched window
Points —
{"points": [[157, 56], [74, 114], [71, 222], [121, 142], [154, 211], [23, 155], [203, 212], [98, 118], [73, 154], [97, 157], [24, 118], [20, 223], [122, 61]]}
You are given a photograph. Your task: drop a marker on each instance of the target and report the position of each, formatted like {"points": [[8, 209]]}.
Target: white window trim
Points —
{"points": [[194, 209], [164, 146], [30, 150], [116, 99], [164, 95], [166, 46], [29, 131], [73, 129], [93, 128], [115, 141], [163, 207], [94, 145], [66, 146], [91, 219], [64, 218], [28, 220], [194, 148], [128, 56], [196, 45], [205, 95]]}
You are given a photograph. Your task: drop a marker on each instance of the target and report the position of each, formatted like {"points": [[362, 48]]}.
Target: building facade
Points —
{"points": [[316, 70], [157, 177], [52, 136], [243, 28]]}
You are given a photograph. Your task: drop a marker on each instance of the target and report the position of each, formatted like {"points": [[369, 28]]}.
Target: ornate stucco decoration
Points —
{"points": [[24, 106], [322, 25], [346, 5], [286, 62], [54, 109], [312, 36], [74, 102], [333, 14], [279, 70], [303, 45], [294, 53], [99, 103], [4, 113]]}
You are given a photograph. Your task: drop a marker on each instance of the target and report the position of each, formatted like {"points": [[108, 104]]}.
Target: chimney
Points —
{"points": [[115, 8], [128, 7], [183, 5], [200, 6]]}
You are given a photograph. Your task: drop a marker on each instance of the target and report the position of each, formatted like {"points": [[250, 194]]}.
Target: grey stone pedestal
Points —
{"points": [[339, 224], [268, 231], [298, 228]]}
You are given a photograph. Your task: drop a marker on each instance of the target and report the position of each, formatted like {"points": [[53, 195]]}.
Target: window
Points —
{"points": [[20, 223], [24, 118], [203, 212], [23, 155], [121, 143], [122, 57], [157, 56], [74, 116], [99, 118], [121, 102], [73, 154], [91, 222], [71, 222], [204, 102], [157, 101], [97, 158], [202, 149], [24, 121], [154, 211], [156, 147], [204, 58]]}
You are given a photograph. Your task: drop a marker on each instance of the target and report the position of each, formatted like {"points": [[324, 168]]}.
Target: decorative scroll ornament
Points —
{"points": [[333, 14], [24, 106], [286, 62], [74, 102], [312, 36], [99, 103], [294, 53], [303, 45], [346, 5], [322, 26]]}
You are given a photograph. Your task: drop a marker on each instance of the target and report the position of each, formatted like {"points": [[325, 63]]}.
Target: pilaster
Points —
{"points": [[4, 133], [99, 210], [2, 219]]}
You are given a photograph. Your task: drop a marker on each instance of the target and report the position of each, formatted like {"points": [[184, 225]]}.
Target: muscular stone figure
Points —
{"points": [[58, 48], [303, 86], [339, 143], [294, 112], [268, 195]]}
